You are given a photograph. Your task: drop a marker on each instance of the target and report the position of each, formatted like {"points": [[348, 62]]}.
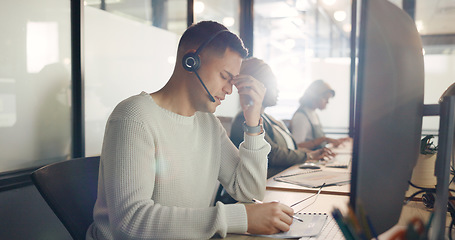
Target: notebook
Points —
{"points": [[316, 178], [310, 227], [329, 231]]}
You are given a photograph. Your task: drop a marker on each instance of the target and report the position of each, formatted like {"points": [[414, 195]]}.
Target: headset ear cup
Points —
{"points": [[191, 62], [428, 199]]}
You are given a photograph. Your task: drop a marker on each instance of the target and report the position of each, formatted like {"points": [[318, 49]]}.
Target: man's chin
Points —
{"points": [[210, 108]]}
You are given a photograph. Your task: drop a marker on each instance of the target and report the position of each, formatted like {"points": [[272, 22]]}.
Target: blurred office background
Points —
{"points": [[53, 108]]}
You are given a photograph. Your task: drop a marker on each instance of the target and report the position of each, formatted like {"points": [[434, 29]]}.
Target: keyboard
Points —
{"points": [[339, 161], [329, 231]]}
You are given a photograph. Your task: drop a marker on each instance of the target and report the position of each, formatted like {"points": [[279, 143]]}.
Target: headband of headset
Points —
{"points": [[191, 61]]}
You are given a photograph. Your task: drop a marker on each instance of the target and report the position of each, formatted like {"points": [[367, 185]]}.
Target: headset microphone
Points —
{"points": [[191, 61], [210, 95]]}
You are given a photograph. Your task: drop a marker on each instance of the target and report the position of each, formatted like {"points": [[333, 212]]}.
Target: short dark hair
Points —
{"points": [[198, 33]]}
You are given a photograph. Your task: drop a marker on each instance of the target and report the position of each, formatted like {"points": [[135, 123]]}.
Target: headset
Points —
{"points": [[192, 62], [427, 146]]}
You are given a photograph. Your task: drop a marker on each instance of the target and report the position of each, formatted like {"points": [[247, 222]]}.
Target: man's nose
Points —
{"points": [[228, 88]]}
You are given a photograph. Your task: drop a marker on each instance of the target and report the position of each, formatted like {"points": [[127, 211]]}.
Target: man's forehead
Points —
{"points": [[233, 63]]}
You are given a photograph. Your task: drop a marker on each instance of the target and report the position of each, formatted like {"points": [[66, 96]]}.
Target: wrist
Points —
{"points": [[309, 155], [313, 143], [253, 130]]}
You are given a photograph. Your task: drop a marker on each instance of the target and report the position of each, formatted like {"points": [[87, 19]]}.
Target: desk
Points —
{"points": [[345, 148], [334, 190], [330, 197]]}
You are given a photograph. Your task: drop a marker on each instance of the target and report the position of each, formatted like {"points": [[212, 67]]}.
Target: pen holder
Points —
{"points": [[423, 173]]}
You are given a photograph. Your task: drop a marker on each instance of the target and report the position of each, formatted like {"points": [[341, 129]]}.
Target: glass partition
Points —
{"points": [[165, 14], [122, 58], [35, 83]]}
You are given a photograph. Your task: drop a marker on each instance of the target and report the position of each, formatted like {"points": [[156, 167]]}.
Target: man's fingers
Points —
{"points": [[286, 219], [283, 226], [286, 209]]}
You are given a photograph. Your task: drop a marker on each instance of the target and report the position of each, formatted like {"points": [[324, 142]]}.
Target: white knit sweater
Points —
{"points": [[159, 171]]}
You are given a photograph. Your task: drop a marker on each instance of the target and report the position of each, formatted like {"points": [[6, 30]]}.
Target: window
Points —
{"points": [[302, 41], [305, 40], [224, 12], [434, 21]]}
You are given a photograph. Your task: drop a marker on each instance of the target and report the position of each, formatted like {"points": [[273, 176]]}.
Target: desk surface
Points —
{"points": [[330, 197], [334, 190], [326, 202], [345, 148]]}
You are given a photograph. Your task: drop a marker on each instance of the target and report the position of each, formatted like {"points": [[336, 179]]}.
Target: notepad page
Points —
{"points": [[311, 226], [329, 231]]}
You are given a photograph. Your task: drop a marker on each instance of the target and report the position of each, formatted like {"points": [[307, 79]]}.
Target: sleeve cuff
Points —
{"points": [[236, 218], [254, 142]]}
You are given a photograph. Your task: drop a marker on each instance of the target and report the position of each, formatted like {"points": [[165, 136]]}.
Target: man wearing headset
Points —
{"points": [[164, 152]]}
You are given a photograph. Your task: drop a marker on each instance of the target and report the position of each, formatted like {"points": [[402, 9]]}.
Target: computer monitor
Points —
{"points": [[388, 111]]}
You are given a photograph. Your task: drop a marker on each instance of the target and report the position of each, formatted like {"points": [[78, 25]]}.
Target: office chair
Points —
{"points": [[70, 189]]}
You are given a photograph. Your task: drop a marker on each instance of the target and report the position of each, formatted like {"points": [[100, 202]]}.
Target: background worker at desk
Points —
{"points": [[305, 126], [284, 152], [164, 152]]}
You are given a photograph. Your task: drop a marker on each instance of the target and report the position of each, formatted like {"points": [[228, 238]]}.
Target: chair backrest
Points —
{"points": [[70, 189]]}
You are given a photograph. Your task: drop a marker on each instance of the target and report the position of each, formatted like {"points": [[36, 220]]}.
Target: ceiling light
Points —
{"points": [[339, 15], [419, 25], [302, 5], [329, 2], [289, 43], [199, 7], [309, 52], [347, 27], [228, 21]]}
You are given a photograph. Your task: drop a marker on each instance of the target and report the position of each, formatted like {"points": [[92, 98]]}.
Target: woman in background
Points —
{"points": [[284, 152], [305, 125]]}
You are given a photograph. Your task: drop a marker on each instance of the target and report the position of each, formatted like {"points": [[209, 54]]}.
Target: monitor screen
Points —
{"points": [[388, 111]]}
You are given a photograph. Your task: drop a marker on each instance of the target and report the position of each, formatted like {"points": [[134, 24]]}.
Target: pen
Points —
{"points": [[293, 216]]}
